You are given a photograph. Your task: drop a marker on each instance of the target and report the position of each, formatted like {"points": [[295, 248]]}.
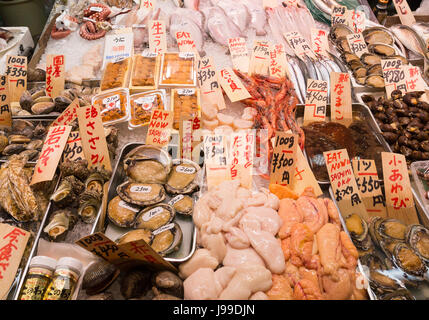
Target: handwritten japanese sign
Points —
{"points": [[369, 187], [93, 138], [241, 156], [207, 78], [278, 63], [338, 15], [232, 85], [341, 99], [148, 4], [50, 154], [357, 44], [73, 149], [68, 115], [283, 162], [315, 101], [356, 20], [404, 12], [260, 58], [106, 249], [185, 42], [413, 79], [13, 241], [185, 136], [197, 139], [319, 42], [55, 74], [16, 71], [5, 113], [216, 159], [299, 45], [303, 176], [394, 75], [157, 36], [343, 183], [239, 54], [118, 47], [397, 188], [159, 131]]}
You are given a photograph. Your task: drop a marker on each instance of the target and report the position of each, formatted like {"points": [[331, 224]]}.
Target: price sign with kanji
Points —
{"points": [[207, 78], [185, 135], [357, 44], [404, 12], [278, 61], [73, 149], [232, 85], [283, 161], [338, 15], [55, 74], [394, 75], [370, 187], [93, 138], [51, 153], [68, 115], [319, 42], [397, 188], [118, 47], [315, 101], [239, 54], [299, 45], [343, 183], [13, 241], [413, 79], [5, 113], [303, 176], [355, 20], [216, 159], [157, 36], [241, 156], [260, 58], [197, 139], [148, 4], [16, 71], [159, 131], [341, 99], [185, 42]]}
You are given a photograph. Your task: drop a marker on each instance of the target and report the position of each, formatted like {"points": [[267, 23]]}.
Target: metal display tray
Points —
{"points": [[360, 111], [420, 293], [102, 224]]}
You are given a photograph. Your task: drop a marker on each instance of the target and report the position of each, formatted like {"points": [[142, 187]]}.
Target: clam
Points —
{"points": [[375, 80], [343, 44], [349, 57], [154, 217], [360, 72], [99, 276], [135, 283], [4, 141], [136, 235], [417, 237], [167, 239], [39, 131], [89, 203], [183, 177], [401, 294], [355, 64], [38, 94], [22, 127], [60, 222], [169, 283], [42, 99], [61, 103], [35, 145], [408, 261], [29, 154], [392, 229], [121, 213], [361, 80], [358, 230], [339, 30], [13, 149], [382, 49], [42, 107], [141, 194], [26, 101], [377, 35], [375, 69], [370, 59], [18, 138], [23, 113], [182, 204]]}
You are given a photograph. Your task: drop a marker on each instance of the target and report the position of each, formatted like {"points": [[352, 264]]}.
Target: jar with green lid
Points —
{"points": [[38, 278], [63, 284]]}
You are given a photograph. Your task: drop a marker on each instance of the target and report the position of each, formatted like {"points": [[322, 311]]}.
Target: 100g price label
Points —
{"points": [[283, 161]]}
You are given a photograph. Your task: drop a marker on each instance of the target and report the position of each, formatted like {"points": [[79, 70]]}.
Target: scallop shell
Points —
{"points": [[155, 217], [121, 213], [141, 194], [183, 177]]}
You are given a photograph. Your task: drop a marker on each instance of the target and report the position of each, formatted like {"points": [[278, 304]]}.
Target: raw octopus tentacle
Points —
{"points": [[90, 30], [60, 34]]}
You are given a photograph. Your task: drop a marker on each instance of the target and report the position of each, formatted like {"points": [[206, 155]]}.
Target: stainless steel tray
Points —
{"points": [[360, 111], [102, 224], [420, 293]]}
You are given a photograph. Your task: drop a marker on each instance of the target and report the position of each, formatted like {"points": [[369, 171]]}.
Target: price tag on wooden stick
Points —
{"points": [[369, 187], [93, 137], [51, 153], [239, 54], [118, 47], [5, 113], [404, 12], [55, 75], [338, 15], [148, 4], [356, 20], [260, 58], [241, 155], [343, 183], [303, 176], [13, 241], [185, 136], [157, 36], [283, 162], [397, 188], [413, 79], [319, 42], [68, 115], [73, 150], [216, 159], [16, 71], [232, 85], [207, 78], [278, 62], [186, 43], [357, 44], [299, 45], [394, 75], [341, 99], [315, 101], [160, 125]]}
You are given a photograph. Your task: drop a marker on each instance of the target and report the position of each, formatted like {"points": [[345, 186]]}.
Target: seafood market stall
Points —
{"points": [[217, 150]]}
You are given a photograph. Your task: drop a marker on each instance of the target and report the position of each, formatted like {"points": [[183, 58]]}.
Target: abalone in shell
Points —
{"points": [[377, 35], [382, 49], [183, 204], [370, 59], [121, 213], [183, 177], [146, 171], [141, 194], [408, 261], [418, 238], [154, 217], [167, 239], [135, 235]]}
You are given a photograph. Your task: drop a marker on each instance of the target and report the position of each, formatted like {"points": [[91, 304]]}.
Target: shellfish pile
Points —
{"points": [[139, 204]]}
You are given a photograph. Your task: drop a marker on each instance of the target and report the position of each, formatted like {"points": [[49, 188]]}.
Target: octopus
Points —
{"points": [[93, 28]]}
